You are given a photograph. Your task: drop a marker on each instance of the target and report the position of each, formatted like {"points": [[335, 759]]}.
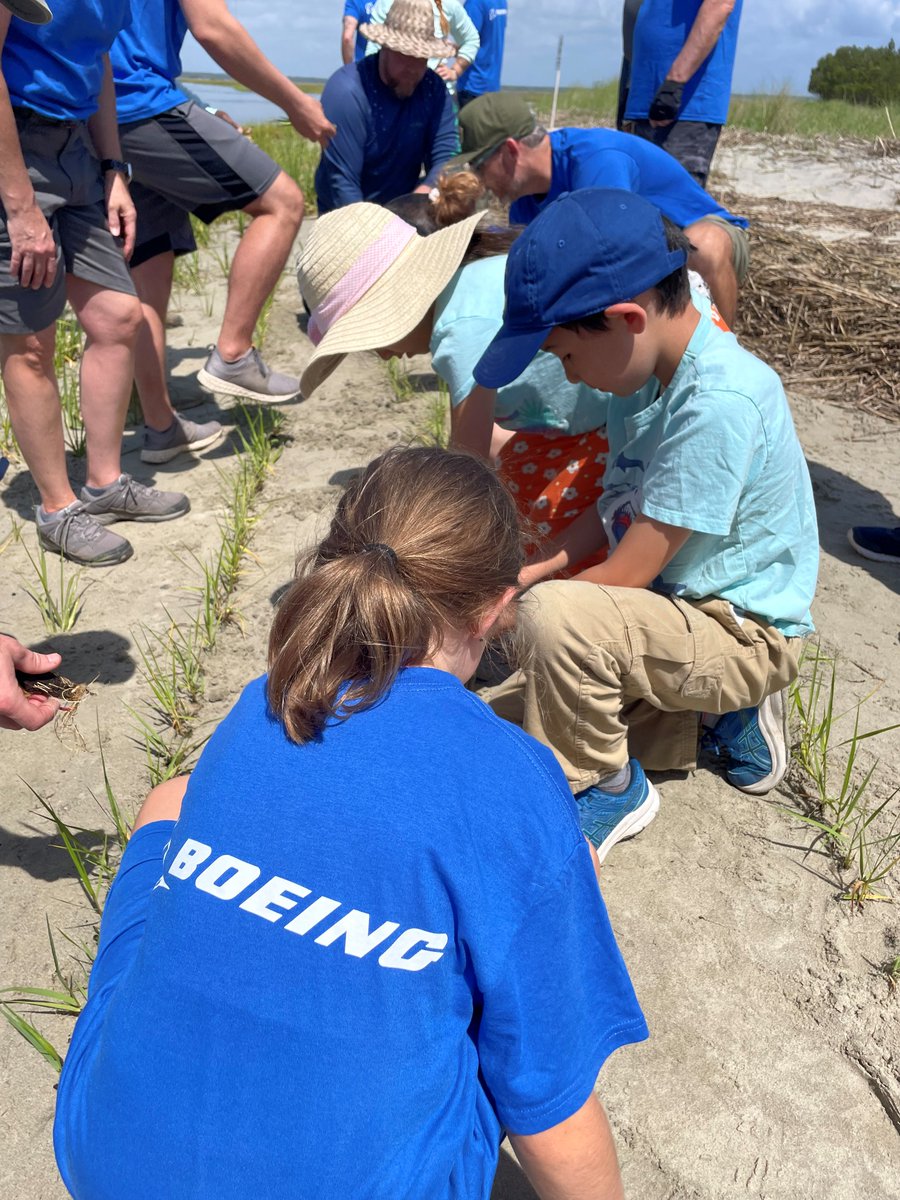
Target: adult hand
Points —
{"points": [[666, 104], [34, 256], [449, 74], [310, 121], [120, 214], [17, 709]]}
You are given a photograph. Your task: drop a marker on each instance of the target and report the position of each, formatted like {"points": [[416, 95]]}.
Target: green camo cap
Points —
{"points": [[486, 122]]}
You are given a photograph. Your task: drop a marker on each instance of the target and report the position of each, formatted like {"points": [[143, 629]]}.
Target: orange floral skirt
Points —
{"points": [[554, 478]]}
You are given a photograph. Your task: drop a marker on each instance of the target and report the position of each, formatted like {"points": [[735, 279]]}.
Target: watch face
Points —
{"points": [[113, 164], [35, 12]]}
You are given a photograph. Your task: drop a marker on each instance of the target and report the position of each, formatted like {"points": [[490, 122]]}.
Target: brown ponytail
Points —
{"points": [[458, 193], [455, 196], [424, 540]]}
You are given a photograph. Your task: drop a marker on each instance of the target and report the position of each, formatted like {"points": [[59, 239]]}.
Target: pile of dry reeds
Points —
{"points": [[825, 313]]}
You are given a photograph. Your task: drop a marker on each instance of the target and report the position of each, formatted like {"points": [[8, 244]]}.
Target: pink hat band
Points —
{"points": [[362, 275]]}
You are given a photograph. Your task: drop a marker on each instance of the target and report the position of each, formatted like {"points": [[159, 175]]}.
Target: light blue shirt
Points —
{"points": [[467, 315], [716, 452]]}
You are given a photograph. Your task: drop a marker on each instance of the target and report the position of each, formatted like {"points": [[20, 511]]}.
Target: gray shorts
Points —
{"points": [[68, 187], [693, 143], [188, 161]]}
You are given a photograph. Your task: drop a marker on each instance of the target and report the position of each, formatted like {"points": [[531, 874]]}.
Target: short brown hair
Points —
{"points": [[424, 540]]}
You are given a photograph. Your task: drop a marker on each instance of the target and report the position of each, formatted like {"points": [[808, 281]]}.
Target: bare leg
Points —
{"points": [[712, 258], [153, 280], [258, 262], [111, 321], [32, 398]]}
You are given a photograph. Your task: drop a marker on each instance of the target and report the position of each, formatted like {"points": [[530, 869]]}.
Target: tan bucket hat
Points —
{"points": [[369, 278], [409, 29]]}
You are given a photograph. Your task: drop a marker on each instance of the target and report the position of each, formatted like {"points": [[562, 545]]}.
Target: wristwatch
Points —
{"points": [[116, 164]]}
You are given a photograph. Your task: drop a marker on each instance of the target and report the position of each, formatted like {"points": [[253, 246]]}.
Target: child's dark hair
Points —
{"points": [[455, 197], [424, 540], [673, 293]]}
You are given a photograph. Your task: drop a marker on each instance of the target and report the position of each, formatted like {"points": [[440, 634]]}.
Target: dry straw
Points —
{"points": [[825, 313]]}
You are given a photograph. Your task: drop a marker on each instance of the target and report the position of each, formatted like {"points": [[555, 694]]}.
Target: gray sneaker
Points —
{"points": [[181, 436], [128, 500], [249, 377], [79, 537]]}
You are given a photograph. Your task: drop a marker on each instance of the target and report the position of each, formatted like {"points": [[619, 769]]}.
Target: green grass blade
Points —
{"points": [[33, 1036]]}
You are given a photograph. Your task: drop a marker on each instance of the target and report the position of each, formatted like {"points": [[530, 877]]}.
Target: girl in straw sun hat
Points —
{"points": [[365, 938], [373, 282]]}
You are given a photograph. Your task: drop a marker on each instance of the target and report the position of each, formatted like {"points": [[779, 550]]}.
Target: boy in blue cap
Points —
{"points": [[696, 614]]}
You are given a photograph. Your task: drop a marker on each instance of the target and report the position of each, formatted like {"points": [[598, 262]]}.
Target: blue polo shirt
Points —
{"points": [[605, 158], [489, 18], [146, 60], [360, 10], [661, 29], [347, 967], [57, 69], [383, 142]]}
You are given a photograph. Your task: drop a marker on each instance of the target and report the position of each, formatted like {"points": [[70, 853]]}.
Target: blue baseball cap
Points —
{"points": [[585, 252]]}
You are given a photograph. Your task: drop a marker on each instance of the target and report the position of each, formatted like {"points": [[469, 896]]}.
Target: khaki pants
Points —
{"points": [[613, 672]]}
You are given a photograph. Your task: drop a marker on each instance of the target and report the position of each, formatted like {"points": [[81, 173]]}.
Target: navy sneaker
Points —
{"points": [[752, 745], [610, 817], [877, 542]]}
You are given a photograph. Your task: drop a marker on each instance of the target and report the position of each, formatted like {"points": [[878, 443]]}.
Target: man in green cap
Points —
{"points": [[524, 165]]}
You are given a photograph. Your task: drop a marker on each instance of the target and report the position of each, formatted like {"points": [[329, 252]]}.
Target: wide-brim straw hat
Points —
{"points": [[390, 273], [409, 29]]}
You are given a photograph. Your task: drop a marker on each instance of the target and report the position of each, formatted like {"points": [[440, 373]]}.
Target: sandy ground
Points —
{"points": [[773, 1069]]}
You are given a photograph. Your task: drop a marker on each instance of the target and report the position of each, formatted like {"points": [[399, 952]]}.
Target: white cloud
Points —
{"points": [[779, 42]]}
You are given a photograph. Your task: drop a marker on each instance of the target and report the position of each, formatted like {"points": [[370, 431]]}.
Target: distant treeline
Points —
{"points": [[860, 74]]}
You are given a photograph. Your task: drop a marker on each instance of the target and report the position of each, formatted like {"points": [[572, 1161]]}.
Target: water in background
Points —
{"points": [[245, 107]]}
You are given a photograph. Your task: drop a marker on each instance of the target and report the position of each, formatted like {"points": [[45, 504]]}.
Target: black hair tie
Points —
{"points": [[381, 548]]}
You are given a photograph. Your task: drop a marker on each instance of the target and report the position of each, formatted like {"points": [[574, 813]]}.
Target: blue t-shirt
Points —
{"points": [[590, 158], [661, 29], [146, 60], [362, 958], [360, 10], [382, 142], [489, 18], [716, 452], [57, 69], [467, 315]]}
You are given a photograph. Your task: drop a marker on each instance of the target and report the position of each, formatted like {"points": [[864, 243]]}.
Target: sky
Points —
{"points": [[779, 43]]}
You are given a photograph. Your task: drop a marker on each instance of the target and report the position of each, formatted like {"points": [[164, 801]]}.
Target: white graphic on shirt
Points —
{"points": [[227, 877]]}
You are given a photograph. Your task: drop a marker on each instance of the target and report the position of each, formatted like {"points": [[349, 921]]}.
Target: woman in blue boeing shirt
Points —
{"points": [[365, 938]]}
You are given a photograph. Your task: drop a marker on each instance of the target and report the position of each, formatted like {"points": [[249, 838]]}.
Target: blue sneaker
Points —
{"points": [[878, 542], [610, 817], [752, 745]]}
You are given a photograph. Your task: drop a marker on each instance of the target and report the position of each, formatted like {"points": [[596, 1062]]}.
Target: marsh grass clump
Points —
{"points": [[837, 791], [94, 856], [296, 157], [58, 594]]}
